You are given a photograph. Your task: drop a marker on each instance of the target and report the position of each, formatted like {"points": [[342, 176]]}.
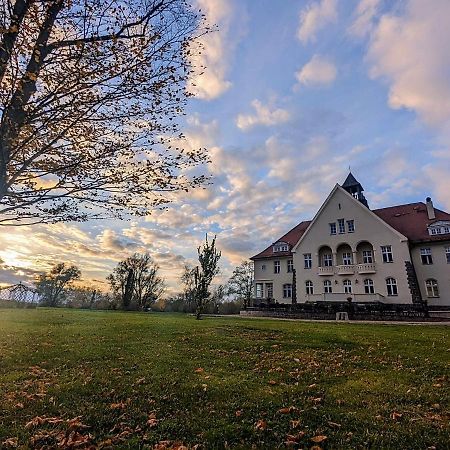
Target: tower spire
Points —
{"points": [[353, 187]]}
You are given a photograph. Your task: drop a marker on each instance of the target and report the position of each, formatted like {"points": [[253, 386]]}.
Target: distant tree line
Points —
{"points": [[137, 286]]}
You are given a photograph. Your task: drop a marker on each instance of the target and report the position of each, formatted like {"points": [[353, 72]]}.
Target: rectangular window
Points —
{"points": [[341, 225], [425, 255], [276, 267], [287, 290], [351, 226], [328, 260], [290, 266], [308, 260], [446, 230], [386, 252], [333, 228], [346, 258], [269, 290], [367, 257], [368, 287], [263, 267], [447, 254], [259, 290], [327, 287], [309, 288], [347, 287], [391, 287]]}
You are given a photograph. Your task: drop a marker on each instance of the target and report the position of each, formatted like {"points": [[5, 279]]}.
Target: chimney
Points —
{"points": [[430, 209]]}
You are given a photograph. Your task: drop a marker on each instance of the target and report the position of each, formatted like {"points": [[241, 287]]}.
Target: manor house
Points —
{"points": [[399, 254]]}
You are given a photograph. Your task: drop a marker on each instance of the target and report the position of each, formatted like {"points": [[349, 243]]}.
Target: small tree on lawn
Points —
{"points": [[136, 282], [208, 257], [241, 283], [188, 280], [51, 286]]}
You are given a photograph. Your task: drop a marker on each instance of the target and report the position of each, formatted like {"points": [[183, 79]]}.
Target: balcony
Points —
{"points": [[366, 268], [345, 269], [328, 270]]}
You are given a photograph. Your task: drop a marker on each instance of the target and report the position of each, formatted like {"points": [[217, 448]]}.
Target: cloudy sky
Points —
{"points": [[294, 93]]}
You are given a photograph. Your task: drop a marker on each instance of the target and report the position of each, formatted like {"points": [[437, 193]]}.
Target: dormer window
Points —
{"points": [[280, 247], [437, 228]]}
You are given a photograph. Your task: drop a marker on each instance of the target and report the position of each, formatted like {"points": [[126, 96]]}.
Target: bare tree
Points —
{"points": [[204, 274], [90, 91], [188, 280], [240, 283], [51, 286], [136, 282]]}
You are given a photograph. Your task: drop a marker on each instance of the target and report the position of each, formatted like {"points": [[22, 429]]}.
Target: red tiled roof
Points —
{"points": [[411, 220], [291, 238]]}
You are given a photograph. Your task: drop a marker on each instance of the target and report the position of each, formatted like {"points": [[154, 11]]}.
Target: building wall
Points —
{"points": [[439, 270], [268, 276], [368, 230]]}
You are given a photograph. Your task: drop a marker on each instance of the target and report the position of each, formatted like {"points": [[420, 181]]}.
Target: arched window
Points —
{"points": [[309, 288], [391, 286], [368, 286], [327, 288], [432, 287], [347, 286]]}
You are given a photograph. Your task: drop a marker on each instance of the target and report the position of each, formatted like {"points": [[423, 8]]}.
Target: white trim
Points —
{"points": [[337, 187]]}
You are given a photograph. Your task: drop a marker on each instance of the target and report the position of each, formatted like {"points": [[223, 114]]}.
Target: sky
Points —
{"points": [[294, 93]]}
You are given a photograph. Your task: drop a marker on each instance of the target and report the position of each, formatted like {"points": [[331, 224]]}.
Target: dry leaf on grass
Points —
{"points": [[152, 420], [199, 370], [261, 425], [10, 443], [318, 439]]}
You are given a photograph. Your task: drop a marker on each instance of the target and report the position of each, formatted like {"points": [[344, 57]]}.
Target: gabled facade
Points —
{"points": [[398, 255]]}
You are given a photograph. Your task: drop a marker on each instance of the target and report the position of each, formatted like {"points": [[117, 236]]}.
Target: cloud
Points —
{"points": [[264, 115], [216, 49], [315, 17], [365, 13], [411, 53], [317, 72]]}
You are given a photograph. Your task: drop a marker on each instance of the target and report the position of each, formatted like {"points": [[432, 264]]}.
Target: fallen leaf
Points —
{"points": [[396, 415], [272, 382], [287, 410], [261, 425], [295, 424], [334, 424], [199, 370], [238, 413], [152, 421], [318, 439], [10, 443]]}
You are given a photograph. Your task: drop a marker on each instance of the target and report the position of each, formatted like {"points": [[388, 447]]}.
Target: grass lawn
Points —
{"points": [[73, 379]]}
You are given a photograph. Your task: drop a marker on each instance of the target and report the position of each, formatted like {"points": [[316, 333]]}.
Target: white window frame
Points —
{"points": [[367, 256], [386, 253], [391, 287], [259, 290], [426, 256], [432, 288], [307, 258], [276, 267], [369, 287], [347, 286], [327, 287], [269, 290], [447, 254], [309, 286], [290, 265], [333, 228], [347, 259], [287, 290], [341, 226], [327, 260], [350, 226]]}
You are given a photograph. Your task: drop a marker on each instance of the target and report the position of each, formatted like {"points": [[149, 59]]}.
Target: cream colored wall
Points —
{"points": [[342, 205], [268, 276], [439, 271]]}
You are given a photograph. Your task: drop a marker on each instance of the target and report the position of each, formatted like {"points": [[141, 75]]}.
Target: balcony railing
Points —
{"points": [[366, 268], [345, 269], [328, 270]]}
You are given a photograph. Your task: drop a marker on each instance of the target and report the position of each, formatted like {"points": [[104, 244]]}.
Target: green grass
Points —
{"points": [[361, 386]]}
